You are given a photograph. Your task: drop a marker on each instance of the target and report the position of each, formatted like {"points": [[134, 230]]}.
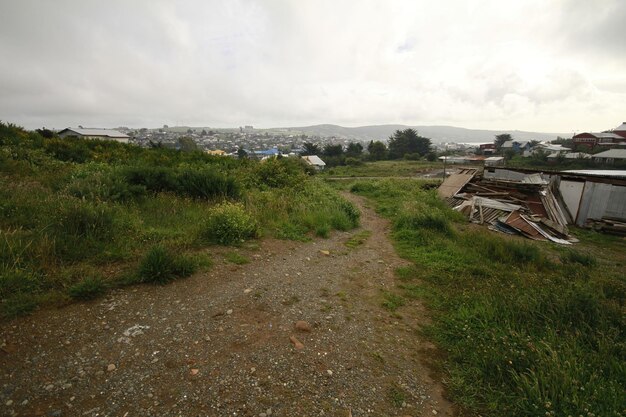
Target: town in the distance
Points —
{"points": [[340, 146]]}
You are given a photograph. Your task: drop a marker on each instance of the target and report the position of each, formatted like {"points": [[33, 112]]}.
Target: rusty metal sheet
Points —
{"points": [[455, 182]]}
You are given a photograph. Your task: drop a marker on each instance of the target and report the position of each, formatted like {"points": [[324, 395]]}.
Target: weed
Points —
{"points": [[160, 266], [392, 301], [397, 396], [358, 239], [342, 296], [88, 288], [572, 256], [291, 300], [227, 224], [236, 258]]}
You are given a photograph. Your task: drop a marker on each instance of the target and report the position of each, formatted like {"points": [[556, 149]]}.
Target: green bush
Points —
{"points": [[87, 289], [153, 178], [160, 266], [228, 223], [207, 184], [277, 173], [84, 220]]}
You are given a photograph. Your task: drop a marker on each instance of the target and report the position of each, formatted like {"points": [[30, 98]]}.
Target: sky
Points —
{"points": [[535, 65]]}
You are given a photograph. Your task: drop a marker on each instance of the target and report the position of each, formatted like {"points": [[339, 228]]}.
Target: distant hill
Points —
{"points": [[435, 133]]}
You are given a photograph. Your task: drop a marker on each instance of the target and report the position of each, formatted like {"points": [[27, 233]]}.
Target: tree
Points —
{"points": [[203, 132], [187, 144], [354, 150], [46, 133], [310, 149], [332, 150], [500, 139], [241, 153], [407, 141], [377, 150]]}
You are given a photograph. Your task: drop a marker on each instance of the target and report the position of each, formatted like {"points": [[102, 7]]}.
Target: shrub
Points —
{"points": [[277, 173], [228, 223], [154, 178], [88, 288], [83, 220], [207, 184], [160, 266]]}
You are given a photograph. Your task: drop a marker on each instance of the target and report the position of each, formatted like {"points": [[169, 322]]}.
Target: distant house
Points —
{"points": [[487, 148], [569, 155], [315, 161], [217, 152], [611, 156], [608, 138], [516, 146], [102, 134], [494, 161]]}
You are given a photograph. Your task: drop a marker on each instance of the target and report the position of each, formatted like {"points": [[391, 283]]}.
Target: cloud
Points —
{"points": [[485, 63]]}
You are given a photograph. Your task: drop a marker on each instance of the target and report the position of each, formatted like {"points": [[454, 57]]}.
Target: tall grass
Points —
{"points": [[71, 207], [528, 328]]}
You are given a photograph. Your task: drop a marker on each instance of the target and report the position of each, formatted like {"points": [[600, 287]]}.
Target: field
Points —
{"points": [[527, 328], [79, 217], [399, 168]]}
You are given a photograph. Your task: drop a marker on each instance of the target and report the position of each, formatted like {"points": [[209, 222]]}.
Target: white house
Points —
{"points": [[102, 134], [611, 156], [314, 161]]}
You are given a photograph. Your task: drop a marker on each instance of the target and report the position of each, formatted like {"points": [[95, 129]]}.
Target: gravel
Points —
{"points": [[220, 343]]}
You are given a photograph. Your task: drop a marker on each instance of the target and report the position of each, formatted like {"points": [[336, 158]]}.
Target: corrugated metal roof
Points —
{"points": [[109, 133], [314, 160], [621, 128], [612, 153]]}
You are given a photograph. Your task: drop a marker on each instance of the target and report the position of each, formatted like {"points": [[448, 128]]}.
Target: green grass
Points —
{"points": [[382, 169], [358, 239], [69, 207], [528, 328], [392, 301], [236, 258]]}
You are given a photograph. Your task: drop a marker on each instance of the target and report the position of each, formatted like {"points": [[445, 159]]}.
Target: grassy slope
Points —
{"points": [[529, 328], [78, 217], [398, 168]]}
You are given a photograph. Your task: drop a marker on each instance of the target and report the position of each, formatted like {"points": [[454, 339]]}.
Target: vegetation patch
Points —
{"points": [[358, 239], [527, 327], [392, 301], [160, 266], [228, 223], [71, 207], [236, 258]]}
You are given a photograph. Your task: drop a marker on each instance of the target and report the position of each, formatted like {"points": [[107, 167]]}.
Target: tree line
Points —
{"points": [[403, 144]]}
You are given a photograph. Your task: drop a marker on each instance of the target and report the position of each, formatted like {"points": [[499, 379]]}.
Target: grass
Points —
{"points": [[70, 208], [236, 258], [392, 301], [399, 168], [358, 239], [528, 328]]}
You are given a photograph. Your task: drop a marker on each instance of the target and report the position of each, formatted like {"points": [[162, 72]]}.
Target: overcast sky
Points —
{"points": [[540, 65]]}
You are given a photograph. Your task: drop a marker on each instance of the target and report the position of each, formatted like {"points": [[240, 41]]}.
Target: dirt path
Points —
{"points": [[218, 343]]}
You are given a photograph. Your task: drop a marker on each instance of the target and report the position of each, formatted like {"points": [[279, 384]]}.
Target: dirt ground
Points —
{"points": [[223, 342]]}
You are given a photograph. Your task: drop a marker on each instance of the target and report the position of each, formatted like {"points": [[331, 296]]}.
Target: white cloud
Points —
{"points": [[488, 64]]}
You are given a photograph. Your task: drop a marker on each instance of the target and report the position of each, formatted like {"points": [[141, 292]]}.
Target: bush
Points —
{"points": [[160, 266], [277, 173], [207, 184], [154, 178], [228, 223], [83, 220], [88, 288]]}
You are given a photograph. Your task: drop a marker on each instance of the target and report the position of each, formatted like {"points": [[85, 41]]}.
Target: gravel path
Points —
{"points": [[224, 343]]}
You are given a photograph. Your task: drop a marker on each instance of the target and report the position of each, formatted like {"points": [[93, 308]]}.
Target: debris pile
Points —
{"points": [[528, 206]]}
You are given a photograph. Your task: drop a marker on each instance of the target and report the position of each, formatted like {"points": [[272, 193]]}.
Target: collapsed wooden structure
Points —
{"points": [[538, 205]]}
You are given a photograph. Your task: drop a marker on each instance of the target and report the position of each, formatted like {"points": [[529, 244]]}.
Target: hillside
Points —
{"points": [[436, 133]]}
